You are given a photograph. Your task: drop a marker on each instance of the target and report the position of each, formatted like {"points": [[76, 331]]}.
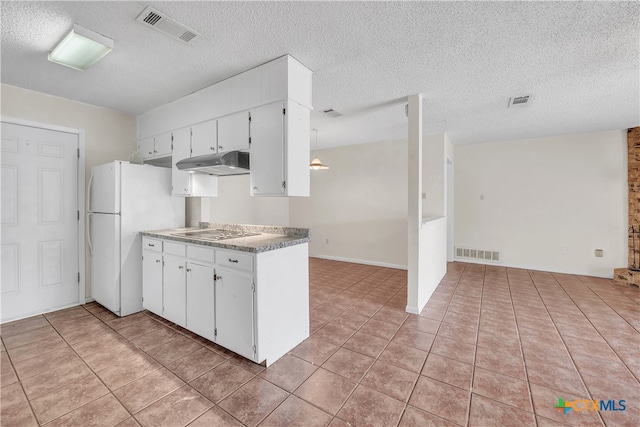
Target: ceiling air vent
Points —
{"points": [[331, 112], [157, 20], [519, 100]]}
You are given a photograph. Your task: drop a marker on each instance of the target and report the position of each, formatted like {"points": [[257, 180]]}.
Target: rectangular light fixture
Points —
{"points": [[81, 48]]}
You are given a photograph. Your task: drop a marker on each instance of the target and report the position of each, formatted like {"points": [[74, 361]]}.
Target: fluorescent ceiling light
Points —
{"points": [[81, 48]]}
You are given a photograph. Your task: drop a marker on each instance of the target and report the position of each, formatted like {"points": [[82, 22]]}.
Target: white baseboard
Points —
{"points": [[361, 261], [533, 268], [88, 300]]}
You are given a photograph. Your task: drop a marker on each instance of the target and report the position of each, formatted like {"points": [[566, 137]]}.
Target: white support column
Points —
{"points": [[414, 217]]}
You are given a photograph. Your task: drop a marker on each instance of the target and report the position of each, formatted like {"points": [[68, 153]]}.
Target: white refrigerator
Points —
{"points": [[125, 199]]}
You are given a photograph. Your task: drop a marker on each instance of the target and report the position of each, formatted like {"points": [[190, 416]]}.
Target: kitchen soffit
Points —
{"points": [[579, 60]]}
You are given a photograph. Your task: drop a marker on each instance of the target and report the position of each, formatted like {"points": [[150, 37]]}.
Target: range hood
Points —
{"points": [[230, 163]]}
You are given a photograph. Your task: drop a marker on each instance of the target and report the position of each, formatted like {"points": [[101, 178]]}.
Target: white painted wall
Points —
{"points": [[109, 135], [359, 205], [234, 204], [541, 195]]}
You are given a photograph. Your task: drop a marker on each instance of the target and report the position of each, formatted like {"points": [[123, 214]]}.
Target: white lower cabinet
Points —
{"points": [[256, 305], [234, 312], [201, 300], [175, 289], [152, 273]]}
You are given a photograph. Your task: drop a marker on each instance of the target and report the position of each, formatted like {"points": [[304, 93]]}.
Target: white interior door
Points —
{"points": [[39, 220]]}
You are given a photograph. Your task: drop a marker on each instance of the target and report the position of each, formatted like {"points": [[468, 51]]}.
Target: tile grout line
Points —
{"points": [[594, 327], [524, 363], [562, 339]]}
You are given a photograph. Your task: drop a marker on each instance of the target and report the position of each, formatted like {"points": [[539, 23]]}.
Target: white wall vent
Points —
{"points": [[517, 101], [331, 112], [478, 254], [157, 20]]}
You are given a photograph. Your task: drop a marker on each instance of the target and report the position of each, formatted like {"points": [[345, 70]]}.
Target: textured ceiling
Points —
{"points": [[579, 61]]}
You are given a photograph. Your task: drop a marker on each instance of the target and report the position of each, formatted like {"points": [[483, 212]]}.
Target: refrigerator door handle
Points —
{"points": [[89, 214], [89, 193], [89, 232]]}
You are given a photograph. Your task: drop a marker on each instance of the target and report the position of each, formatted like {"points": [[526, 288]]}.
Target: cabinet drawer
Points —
{"points": [[151, 244], [235, 260], [178, 249], [201, 253]]}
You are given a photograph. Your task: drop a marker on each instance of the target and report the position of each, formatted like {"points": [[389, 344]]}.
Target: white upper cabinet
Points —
{"points": [[279, 159], [278, 80], [145, 148], [163, 144], [218, 120], [204, 138], [184, 183], [233, 132], [154, 147], [266, 159]]}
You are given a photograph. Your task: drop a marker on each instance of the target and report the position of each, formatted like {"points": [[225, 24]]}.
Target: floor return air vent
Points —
{"points": [[478, 254]]}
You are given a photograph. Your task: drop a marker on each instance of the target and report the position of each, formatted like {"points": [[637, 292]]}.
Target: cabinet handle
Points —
{"points": [[217, 277], [155, 151], [188, 269], [180, 267], [150, 152], [157, 260], [235, 261], [212, 148], [220, 147], [255, 188], [151, 244]]}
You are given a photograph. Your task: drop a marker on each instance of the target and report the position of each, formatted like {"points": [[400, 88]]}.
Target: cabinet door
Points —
{"points": [[267, 150], [204, 138], [145, 148], [180, 180], [162, 145], [175, 292], [200, 300], [152, 281], [233, 132], [234, 312]]}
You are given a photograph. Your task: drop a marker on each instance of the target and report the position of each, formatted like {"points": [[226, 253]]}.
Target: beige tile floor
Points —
{"points": [[493, 347]]}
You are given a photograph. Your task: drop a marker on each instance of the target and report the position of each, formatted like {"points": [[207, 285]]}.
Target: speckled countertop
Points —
{"points": [[269, 239]]}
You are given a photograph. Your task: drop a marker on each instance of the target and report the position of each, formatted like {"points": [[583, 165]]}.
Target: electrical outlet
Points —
{"points": [[563, 250], [599, 253]]}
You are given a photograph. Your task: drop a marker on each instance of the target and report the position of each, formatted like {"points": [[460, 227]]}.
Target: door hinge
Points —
{"points": [[254, 349], [78, 153], [284, 111], [163, 263], [78, 277], [215, 332], [249, 116], [253, 286], [191, 132], [171, 137], [284, 185], [249, 140], [78, 215]]}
